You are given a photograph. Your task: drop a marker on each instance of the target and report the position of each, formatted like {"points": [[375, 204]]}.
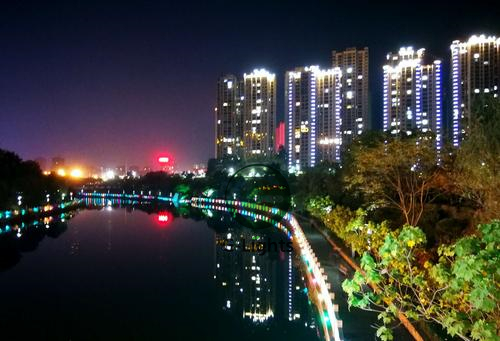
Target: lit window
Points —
{"points": [[349, 70], [230, 85], [360, 77], [349, 94]]}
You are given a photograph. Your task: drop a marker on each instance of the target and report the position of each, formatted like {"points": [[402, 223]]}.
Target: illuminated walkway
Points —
{"points": [[319, 288]]}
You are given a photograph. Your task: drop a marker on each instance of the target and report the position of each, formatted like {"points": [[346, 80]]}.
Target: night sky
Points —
{"points": [[115, 83]]}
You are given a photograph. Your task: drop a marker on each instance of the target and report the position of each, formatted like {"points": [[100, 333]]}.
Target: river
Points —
{"points": [[116, 271]]}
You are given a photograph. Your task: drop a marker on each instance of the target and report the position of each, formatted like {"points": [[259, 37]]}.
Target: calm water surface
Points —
{"points": [[124, 274]]}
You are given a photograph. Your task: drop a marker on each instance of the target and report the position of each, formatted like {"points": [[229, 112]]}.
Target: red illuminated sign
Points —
{"points": [[163, 159]]}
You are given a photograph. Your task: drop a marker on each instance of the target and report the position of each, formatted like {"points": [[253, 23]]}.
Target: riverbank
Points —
{"points": [[25, 214], [337, 270]]}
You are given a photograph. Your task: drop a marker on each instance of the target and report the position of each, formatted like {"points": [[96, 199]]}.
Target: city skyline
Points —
{"points": [[84, 81]]}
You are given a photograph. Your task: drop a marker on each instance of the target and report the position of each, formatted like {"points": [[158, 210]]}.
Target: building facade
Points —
{"points": [[412, 94], [475, 68], [259, 113], [313, 104], [355, 114], [279, 138], [229, 117]]}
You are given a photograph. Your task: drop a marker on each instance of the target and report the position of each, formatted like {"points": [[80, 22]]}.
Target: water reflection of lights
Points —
{"points": [[320, 289], [46, 222], [164, 218], [259, 317]]}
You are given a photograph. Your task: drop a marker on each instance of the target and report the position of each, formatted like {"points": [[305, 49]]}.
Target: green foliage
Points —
{"points": [[319, 206], [350, 226], [397, 173], [460, 291], [476, 170], [18, 177]]}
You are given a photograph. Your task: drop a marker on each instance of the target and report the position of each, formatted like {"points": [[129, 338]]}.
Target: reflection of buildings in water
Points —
{"points": [[259, 293], [262, 288], [75, 244]]}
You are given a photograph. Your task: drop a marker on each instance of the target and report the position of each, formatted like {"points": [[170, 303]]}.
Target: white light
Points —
{"points": [[108, 175], [76, 173]]}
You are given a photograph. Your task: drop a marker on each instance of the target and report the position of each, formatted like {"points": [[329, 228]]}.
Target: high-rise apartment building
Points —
{"points": [[229, 117], [475, 68], [355, 115], [412, 94], [313, 104], [259, 113]]}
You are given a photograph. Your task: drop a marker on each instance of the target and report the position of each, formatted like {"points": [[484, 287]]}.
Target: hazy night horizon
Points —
{"points": [[80, 80]]}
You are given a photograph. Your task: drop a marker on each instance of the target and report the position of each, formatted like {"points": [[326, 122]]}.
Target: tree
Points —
{"points": [[460, 291], [399, 173], [319, 206], [476, 170], [365, 236]]}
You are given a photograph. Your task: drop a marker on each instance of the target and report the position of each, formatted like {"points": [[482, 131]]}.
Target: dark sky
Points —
{"points": [[110, 83]]}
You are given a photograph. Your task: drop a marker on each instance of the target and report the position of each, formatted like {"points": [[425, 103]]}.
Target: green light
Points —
{"points": [[326, 318]]}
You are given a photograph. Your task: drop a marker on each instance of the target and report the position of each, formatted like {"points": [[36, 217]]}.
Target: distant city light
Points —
{"points": [[61, 172], [76, 173], [108, 175], [163, 159]]}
